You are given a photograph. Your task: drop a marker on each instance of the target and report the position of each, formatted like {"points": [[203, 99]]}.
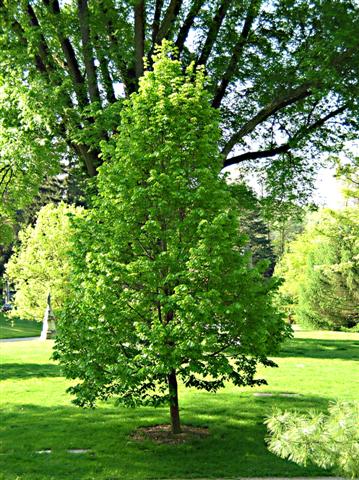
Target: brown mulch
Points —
{"points": [[163, 434]]}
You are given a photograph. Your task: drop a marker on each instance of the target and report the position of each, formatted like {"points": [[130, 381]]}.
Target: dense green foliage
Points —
{"points": [[321, 270], [40, 263], [163, 285], [282, 74], [326, 440]]}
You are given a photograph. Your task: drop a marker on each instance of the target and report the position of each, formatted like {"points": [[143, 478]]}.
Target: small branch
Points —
{"points": [[256, 155]]}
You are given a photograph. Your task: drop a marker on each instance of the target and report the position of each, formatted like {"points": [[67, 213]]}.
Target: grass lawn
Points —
{"points": [[16, 328], [37, 415]]}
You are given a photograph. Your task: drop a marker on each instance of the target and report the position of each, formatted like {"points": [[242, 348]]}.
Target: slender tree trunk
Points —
{"points": [[174, 409]]}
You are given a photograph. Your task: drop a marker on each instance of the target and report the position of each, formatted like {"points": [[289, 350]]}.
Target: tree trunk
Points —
{"points": [[173, 391]]}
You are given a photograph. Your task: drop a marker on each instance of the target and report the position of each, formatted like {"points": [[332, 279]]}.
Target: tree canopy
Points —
{"points": [[284, 76], [163, 285]]}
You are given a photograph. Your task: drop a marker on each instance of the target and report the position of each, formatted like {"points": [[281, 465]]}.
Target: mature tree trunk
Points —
{"points": [[174, 409]]}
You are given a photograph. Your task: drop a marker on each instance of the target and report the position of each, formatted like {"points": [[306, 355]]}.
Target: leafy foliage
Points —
{"points": [[40, 263], [162, 285], [321, 270], [330, 441]]}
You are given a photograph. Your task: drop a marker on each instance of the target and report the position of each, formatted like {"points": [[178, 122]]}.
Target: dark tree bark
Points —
{"points": [[187, 24], [156, 20], [174, 408], [237, 52], [139, 37], [87, 51], [213, 32]]}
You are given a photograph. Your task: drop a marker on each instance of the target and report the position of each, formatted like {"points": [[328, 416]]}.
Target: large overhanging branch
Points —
{"points": [[289, 97], [285, 147], [282, 101], [163, 30], [43, 56]]}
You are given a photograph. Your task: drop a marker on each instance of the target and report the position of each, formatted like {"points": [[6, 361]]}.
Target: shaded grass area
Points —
{"points": [[17, 328], [38, 415]]}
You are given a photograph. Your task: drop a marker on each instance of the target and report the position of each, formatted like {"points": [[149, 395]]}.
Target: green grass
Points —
{"points": [[37, 414], [17, 328]]}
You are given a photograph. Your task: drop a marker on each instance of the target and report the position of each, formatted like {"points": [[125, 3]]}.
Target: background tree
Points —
{"points": [[321, 270], [349, 174], [283, 75], [254, 224], [40, 262], [330, 441], [162, 284]]}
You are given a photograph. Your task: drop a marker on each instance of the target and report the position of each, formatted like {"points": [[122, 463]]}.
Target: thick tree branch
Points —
{"points": [[139, 37], [285, 147], [110, 13], [71, 60], [237, 52], [213, 32], [87, 51], [156, 20], [43, 56], [187, 24], [271, 152], [170, 16]]}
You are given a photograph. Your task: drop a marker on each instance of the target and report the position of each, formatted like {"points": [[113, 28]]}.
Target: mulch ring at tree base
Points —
{"points": [[163, 434]]}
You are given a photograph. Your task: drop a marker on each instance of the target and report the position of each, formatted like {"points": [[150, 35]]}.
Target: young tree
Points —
{"points": [[162, 286], [330, 441], [283, 75], [40, 263], [320, 270]]}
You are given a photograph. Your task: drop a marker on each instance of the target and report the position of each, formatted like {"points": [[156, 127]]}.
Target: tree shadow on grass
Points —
{"points": [[234, 448], [22, 371], [315, 348]]}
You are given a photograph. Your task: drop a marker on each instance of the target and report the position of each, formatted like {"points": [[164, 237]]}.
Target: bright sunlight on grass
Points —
{"points": [[38, 415], [17, 328]]}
